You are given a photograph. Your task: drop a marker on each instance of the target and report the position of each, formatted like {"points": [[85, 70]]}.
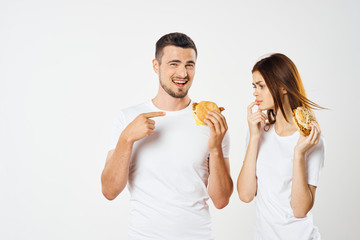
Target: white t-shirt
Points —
{"points": [[274, 171], [168, 176]]}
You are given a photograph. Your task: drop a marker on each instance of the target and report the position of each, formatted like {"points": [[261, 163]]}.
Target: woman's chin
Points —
{"points": [[263, 108]]}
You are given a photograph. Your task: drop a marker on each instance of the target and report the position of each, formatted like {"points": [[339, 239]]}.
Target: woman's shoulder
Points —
{"points": [[321, 143]]}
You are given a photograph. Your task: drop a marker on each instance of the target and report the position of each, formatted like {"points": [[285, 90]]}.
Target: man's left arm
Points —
{"points": [[220, 186]]}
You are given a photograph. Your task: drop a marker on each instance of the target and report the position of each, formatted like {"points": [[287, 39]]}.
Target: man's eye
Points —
{"points": [[190, 66], [173, 64]]}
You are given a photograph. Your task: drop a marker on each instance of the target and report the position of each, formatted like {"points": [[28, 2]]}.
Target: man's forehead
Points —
{"points": [[174, 51]]}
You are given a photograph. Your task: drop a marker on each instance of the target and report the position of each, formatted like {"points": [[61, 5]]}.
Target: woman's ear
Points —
{"points": [[283, 90]]}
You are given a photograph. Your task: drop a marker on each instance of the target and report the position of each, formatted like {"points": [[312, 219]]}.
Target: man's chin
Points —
{"points": [[175, 93], [178, 95]]}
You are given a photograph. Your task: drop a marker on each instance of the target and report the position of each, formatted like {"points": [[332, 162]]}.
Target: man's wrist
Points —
{"points": [[125, 139], [216, 151]]}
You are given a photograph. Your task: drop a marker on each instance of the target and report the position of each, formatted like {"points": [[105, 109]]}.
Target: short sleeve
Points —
{"points": [[117, 128], [226, 145], [315, 162]]}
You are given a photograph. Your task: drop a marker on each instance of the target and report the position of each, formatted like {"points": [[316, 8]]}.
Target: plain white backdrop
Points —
{"points": [[67, 67]]}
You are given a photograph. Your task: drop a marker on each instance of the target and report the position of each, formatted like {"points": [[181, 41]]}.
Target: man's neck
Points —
{"points": [[169, 103]]}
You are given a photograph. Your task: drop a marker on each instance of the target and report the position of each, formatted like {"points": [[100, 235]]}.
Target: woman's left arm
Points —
{"points": [[302, 193]]}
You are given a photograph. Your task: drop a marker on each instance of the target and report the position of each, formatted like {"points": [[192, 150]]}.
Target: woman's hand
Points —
{"points": [[218, 127], [307, 142], [254, 120]]}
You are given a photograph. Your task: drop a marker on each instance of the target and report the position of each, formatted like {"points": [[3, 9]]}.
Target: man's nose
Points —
{"points": [[182, 72]]}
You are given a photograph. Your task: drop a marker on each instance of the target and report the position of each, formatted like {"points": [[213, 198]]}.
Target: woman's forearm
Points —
{"points": [[247, 182], [301, 195]]}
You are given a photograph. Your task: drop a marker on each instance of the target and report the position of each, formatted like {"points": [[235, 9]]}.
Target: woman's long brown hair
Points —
{"points": [[279, 71]]}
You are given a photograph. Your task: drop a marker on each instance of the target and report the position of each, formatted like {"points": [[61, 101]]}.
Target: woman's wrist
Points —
{"points": [[298, 154], [254, 137]]}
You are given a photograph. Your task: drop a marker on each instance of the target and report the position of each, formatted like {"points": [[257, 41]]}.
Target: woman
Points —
{"points": [[281, 166]]}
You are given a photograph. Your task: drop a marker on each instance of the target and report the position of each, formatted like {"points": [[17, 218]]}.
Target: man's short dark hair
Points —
{"points": [[173, 39]]}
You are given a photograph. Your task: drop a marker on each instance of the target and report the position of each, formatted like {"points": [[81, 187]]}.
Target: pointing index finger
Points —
{"points": [[154, 114]]}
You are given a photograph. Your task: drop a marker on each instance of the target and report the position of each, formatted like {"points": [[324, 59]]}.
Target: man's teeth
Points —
{"points": [[180, 81]]}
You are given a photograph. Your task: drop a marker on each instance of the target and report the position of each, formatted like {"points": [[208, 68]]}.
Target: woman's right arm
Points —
{"points": [[247, 182]]}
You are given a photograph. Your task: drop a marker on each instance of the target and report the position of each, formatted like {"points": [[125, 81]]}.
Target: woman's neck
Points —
{"points": [[285, 127]]}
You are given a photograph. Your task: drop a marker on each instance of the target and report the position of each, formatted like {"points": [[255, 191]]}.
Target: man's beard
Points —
{"points": [[180, 94]]}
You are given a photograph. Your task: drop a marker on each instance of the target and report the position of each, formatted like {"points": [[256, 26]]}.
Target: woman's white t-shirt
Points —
{"points": [[274, 171]]}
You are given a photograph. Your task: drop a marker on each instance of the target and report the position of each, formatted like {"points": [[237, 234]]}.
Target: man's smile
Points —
{"points": [[180, 82]]}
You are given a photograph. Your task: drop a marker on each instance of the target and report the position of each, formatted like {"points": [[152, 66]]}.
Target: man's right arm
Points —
{"points": [[115, 174], [116, 171]]}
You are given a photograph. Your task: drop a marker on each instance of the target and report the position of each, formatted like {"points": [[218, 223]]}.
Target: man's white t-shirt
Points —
{"points": [[274, 171], [168, 176]]}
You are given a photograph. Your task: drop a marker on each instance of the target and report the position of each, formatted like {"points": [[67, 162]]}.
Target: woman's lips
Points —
{"points": [[257, 102]]}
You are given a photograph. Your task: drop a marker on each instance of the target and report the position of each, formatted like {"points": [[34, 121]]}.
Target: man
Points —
{"points": [[171, 165]]}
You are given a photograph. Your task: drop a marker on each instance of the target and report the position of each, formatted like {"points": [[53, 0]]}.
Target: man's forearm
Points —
{"points": [[115, 174], [220, 182]]}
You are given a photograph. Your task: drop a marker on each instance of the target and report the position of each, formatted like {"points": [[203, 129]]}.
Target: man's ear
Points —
{"points": [[156, 65]]}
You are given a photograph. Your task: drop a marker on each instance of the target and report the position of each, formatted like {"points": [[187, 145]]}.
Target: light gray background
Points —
{"points": [[67, 67]]}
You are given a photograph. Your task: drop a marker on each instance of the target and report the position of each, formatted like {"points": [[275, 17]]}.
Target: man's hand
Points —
{"points": [[218, 127], [141, 126]]}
